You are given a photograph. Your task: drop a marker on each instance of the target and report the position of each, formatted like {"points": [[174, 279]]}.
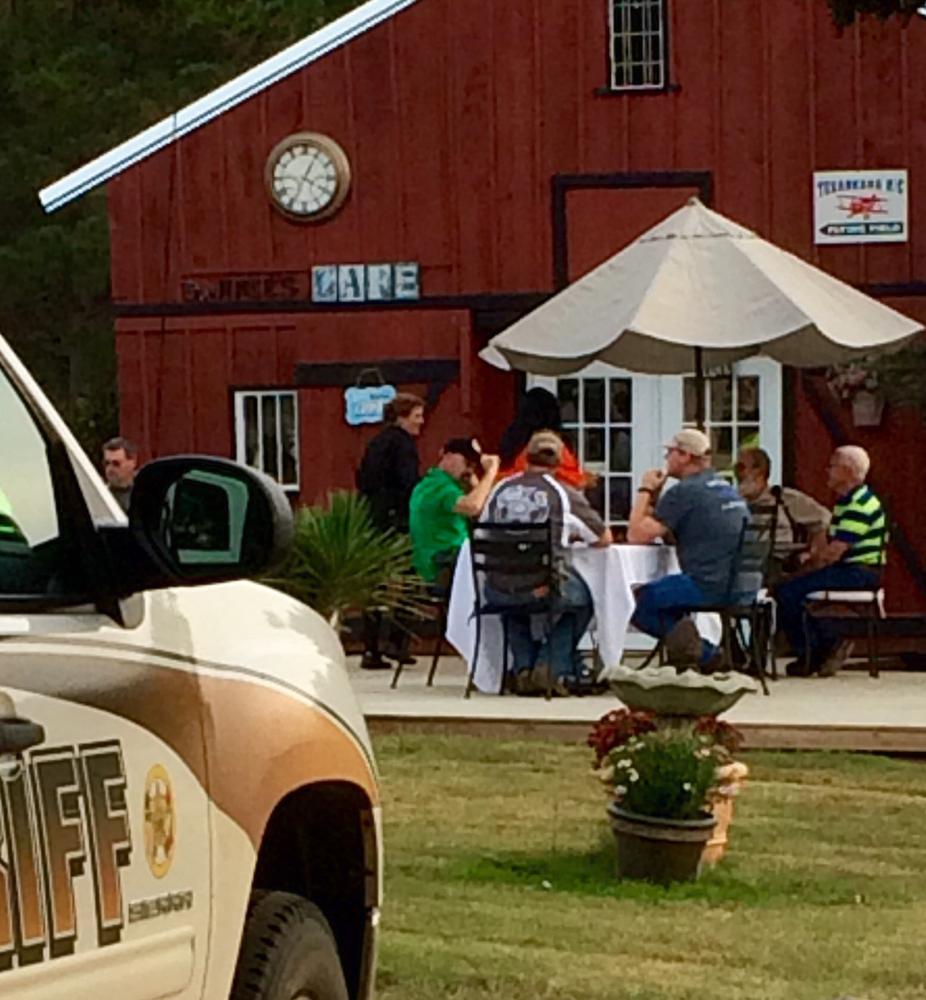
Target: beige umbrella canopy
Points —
{"points": [[699, 291]]}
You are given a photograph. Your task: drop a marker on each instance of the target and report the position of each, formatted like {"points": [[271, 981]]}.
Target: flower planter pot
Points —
{"points": [[659, 850]]}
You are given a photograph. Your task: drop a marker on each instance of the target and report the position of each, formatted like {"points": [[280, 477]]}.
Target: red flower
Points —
{"points": [[617, 727], [719, 732]]}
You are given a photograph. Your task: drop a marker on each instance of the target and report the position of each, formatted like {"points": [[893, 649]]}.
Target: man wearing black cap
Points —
{"points": [[440, 507]]}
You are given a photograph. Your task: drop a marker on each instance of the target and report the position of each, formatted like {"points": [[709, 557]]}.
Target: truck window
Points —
{"points": [[34, 557]]}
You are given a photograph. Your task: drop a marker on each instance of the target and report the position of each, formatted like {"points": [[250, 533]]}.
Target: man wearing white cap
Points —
{"points": [[704, 515]]}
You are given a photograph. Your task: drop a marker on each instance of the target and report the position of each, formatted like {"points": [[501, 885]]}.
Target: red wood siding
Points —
{"points": [[178, 379], [456, 114], [897, 449], [602, 220]]}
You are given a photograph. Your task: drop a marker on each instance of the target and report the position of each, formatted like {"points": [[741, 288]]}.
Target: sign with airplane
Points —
{"points": [[860, 206]]}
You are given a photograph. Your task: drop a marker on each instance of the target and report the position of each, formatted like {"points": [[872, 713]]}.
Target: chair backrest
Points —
{"points": [[511, 557], [750, 568], [770, 514], [799, 531]]}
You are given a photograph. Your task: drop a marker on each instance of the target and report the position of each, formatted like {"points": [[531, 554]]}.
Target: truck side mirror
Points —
{"points": [[201, 519]]}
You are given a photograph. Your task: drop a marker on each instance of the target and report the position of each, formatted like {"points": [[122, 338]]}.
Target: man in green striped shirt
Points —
{"points": [[849, 557]]}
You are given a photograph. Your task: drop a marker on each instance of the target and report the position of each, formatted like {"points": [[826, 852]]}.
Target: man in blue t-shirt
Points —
{"points": [[704, 515]]}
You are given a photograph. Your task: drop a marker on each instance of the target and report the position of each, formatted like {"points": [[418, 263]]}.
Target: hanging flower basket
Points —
{"points": [[867, 408], [856, 383]]}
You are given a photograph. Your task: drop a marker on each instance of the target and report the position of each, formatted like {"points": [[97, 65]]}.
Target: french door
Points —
{"points": [[618, 422]]}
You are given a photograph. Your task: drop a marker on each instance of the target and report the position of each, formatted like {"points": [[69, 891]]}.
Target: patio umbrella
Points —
{"points": [[695, 292]]}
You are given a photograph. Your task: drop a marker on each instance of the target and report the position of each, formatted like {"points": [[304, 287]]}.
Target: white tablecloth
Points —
{"points": [[610, 573]]}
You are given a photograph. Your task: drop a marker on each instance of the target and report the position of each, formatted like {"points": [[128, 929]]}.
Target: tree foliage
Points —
{"points": [[902, 376], [846, 11], [76, 78]]}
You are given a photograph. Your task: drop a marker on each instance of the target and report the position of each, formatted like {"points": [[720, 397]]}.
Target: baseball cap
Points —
{"points": [[465, 447], [694, 442], [546, 447]]}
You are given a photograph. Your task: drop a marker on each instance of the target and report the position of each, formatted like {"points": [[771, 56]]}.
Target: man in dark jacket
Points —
{"points": [[387, 475]]}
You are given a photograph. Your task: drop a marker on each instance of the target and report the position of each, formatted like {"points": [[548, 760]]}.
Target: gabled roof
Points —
{"points": [[180, 123]]}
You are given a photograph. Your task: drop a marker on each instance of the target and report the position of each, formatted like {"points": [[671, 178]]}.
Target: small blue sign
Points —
{"points": [[364, 403]]}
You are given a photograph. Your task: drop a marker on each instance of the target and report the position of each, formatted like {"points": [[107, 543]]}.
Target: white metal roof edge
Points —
{"points": [[249, 83]]}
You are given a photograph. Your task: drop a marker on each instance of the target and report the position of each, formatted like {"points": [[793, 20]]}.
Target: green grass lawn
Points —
{"points": [[500, 883]]}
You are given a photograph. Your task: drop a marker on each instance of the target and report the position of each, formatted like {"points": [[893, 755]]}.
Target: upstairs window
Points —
{"points": [[638, 44], [267, 434]]}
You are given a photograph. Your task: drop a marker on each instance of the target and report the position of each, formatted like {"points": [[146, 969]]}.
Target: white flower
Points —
{"points": [[687, 786], [623, 762], [633, 775], [620, 790]]}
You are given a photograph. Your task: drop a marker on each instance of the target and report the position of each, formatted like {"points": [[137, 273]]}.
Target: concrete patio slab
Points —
{"points": [[851, 711]]}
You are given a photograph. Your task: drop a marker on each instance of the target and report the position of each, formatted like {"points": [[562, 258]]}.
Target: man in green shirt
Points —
{"points": [[441, 507]]}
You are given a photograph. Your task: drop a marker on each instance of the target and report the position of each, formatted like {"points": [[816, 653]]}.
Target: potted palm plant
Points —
{"points": [[669, 781], [342, 564]]}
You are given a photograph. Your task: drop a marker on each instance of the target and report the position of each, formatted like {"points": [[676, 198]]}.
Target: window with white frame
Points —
{"points": [[267, 434], [638, 44], [597, 415], [732, 414]]}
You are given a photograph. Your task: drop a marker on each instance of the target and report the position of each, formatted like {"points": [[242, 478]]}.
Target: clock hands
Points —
{"points": [[316, 188], [305, 178]]}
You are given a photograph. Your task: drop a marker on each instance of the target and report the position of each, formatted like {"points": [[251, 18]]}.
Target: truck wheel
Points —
{"points": [[287, 953]]}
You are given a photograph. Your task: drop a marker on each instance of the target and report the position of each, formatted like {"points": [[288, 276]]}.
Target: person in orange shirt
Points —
{"points": [[538, 411]]}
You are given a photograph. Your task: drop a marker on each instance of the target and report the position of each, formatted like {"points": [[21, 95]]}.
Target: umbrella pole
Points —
{"points": [[699, 387]]}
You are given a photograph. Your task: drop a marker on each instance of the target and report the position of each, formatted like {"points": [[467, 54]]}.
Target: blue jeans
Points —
{"points": [[572, 612], [663, 603], [791, 596]]}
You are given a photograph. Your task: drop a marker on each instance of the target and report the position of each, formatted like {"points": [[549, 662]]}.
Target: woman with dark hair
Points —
{"points": [[388, 473], [538, 411]]}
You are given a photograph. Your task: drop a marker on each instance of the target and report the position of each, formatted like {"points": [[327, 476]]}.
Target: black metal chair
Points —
{"points": [[866, 603], [437, 598], [516, 560], [752, 576], [748, 573]]}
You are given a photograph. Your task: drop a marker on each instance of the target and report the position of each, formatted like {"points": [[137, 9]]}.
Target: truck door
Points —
{"points": [[104, 839]]}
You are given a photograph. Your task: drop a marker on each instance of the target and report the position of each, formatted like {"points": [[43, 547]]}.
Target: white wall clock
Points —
{"points": [[307, 176]]}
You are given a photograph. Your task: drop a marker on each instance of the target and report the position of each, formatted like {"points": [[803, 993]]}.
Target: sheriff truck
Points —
{"points": [[188, 797]]}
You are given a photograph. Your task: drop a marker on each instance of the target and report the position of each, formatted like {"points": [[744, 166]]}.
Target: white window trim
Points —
{"points": [[663, 68], [241, 436], [658, 402]]}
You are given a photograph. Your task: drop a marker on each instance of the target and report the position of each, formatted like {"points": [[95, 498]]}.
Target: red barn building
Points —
{"points": [[376, 201]]}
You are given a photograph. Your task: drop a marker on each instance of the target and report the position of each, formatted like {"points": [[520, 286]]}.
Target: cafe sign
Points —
{"points": [[860, 206], [324, 283], [365, 282]]}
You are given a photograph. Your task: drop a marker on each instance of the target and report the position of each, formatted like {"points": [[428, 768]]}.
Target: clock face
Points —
{"points": [[307, 176]]}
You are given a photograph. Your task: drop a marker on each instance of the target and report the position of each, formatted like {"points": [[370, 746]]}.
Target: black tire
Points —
{"points": [[288, 952]]}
